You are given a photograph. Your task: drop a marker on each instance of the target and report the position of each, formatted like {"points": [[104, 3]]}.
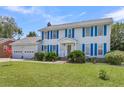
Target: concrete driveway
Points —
{"points": [[9, 59]]}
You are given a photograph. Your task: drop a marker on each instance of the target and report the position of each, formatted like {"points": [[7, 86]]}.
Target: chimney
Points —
{"points": [[48, 24]]}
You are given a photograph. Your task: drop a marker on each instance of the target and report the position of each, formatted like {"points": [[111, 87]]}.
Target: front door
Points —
{"points": [[68, 49]]}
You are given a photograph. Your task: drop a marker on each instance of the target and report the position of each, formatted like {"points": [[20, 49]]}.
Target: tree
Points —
{"points": [[9, 28], [32, 34], [117, 36]]}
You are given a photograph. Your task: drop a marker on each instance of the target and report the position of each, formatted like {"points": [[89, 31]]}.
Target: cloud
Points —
{"points": [[23, 10], [43, 13], [116, 15], [56, 19]]}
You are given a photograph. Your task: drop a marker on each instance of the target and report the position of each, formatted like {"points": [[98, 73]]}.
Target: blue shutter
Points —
{"points": [[51, 34], [65, 32], [48, 35], [83, 47], [105, 48], [42, 35], [57, 46], [96, 31], [83, 32], [73, 32], [42, 47], [57, 34], [50, 48], [95, 49], [105, 30], [92, 31], [91, 49]]}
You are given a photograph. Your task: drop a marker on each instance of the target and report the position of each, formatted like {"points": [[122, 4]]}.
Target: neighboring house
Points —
{"points": [[26, 48], [5, 47], [92, 37]]}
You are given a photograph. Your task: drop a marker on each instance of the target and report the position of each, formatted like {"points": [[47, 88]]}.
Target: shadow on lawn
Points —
{"points": [[6, 65]]}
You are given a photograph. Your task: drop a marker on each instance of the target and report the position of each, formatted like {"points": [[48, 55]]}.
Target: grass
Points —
{"points": [[26, 74]]}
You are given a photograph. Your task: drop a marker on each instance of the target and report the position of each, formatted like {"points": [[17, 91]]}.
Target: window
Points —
{"points": [[87, 49], [87, 31], [69, 33], [54, 48], [100, 49], [45, 48], [45, 35], [100, 30], [54, 35]]}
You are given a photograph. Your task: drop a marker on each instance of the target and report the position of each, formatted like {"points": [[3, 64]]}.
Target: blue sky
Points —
{"points": [[34, 18]]}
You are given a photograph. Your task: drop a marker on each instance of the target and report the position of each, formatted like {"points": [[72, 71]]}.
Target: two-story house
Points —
{"points": [[91, 37]]}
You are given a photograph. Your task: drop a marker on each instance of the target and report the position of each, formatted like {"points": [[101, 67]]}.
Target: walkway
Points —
{"points": [[25, 60]]}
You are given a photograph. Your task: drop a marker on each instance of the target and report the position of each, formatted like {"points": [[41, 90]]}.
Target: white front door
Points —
{"points": [[66, 49]]}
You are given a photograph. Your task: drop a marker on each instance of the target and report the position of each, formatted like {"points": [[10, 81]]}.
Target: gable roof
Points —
{"points": [[27, 41], [78, 24], [3, 40]]}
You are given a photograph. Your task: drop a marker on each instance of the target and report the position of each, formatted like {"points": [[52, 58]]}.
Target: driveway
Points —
{"points": [[9, 59]]}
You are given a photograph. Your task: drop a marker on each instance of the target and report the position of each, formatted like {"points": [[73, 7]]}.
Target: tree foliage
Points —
{"points": [[117, 36], [9, 28], [32, 34]]}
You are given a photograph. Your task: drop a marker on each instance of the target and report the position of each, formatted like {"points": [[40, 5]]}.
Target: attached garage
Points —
{"points": [[26, 48]]}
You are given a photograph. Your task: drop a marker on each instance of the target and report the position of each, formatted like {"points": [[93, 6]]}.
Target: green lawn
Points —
{"points": [[39, 74]]}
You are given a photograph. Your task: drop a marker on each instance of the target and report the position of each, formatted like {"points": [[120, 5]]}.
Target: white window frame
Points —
{"points": [[69, 33], [87, 31], [100, 30], [45, 35], [87, 52], [100, 49], [54, 48], [45, 47], [54, 34]]}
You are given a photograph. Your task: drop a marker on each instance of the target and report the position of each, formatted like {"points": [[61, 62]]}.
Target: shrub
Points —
{"points": [[115, 57], [51, 56], [76, 57], [39, 56], [103, 75]]}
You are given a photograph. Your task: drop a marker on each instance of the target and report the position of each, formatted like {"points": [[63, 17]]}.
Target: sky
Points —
{"points": [[33, 18]]}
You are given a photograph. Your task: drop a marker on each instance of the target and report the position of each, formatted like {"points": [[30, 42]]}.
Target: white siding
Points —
{"points": [[81, 40]]}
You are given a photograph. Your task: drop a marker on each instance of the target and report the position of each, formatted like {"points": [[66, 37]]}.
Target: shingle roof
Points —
{"points": [[27, 41], [3, 40], [78, 24]]}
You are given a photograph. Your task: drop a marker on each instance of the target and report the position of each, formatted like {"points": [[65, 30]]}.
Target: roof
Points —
{"points": [[3, 40], [78, 24], [27, 41]]}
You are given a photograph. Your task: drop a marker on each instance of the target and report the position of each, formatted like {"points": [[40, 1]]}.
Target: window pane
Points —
{"points": [[45, 48], [54, 48], [88, 31], [100, 30], [54, 35], [69, 33], [100, 49], [45, 35], [87, 49]]}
